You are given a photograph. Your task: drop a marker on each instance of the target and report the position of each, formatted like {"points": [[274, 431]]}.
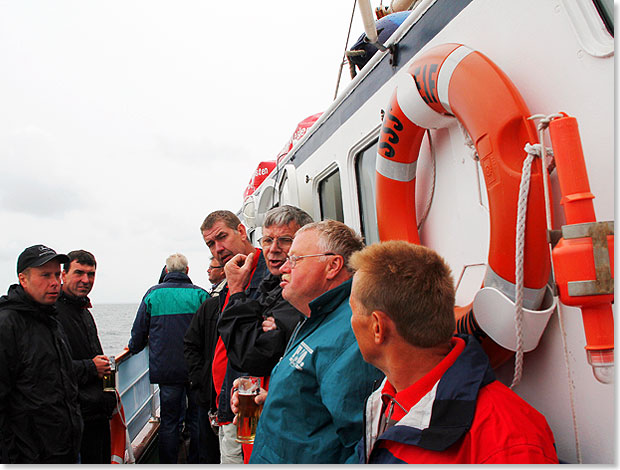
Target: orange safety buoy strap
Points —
{"points": [[450, 81], [118, 433]]}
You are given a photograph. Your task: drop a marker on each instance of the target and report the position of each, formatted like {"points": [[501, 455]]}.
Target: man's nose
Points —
{"points": [[286, 267]]}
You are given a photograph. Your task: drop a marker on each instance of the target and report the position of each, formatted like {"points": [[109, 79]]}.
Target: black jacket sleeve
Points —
{"points": [[199, 346], [8, 362], [193, 346], [248, 347]]}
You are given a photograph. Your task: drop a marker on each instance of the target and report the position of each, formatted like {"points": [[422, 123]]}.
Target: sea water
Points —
{"points": [[114, 322]]}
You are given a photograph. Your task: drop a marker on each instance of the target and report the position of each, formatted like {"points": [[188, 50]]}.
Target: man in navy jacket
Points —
{"points": [[163, 317]]}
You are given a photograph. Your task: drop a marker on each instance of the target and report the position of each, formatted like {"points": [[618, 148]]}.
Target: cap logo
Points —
{"points": [[45, 251]]}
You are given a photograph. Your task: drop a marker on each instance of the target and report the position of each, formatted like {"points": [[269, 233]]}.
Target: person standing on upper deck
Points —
{"points": [[440, 402], [40, 418], [89, 363], [228, 241], [161, 322]]}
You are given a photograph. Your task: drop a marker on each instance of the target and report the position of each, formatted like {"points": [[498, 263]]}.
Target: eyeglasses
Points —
{"points": [[294, 259], [283, 242], [214, 267]]}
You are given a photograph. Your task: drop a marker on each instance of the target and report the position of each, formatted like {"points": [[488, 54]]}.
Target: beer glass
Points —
{"points": [[249, 411], [109, 381]]}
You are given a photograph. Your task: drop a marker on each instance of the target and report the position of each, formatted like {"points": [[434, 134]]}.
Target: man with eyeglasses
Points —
{"points": [[313, 410], [244, 320], [198, 348], [255, 331], [217, 277]]}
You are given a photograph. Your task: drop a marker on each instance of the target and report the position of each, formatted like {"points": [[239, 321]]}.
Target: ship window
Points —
{"points": [[330, 197], [365, 173], [605, 9]]}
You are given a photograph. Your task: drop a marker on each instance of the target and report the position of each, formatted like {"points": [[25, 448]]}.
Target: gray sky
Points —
{"points": [[124, 123]]}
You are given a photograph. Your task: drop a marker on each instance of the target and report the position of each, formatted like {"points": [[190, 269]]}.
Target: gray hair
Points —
{"points": [[286, 214], [176, 263], [336, 237]]}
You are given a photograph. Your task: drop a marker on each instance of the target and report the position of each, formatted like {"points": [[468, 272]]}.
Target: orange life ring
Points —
{"points": [[118, 432], [449, 81]]}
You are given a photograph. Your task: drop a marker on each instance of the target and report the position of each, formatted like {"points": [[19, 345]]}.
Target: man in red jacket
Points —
{"points": [[440, 402]]}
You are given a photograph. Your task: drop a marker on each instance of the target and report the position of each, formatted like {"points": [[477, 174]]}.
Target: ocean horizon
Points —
{"points": [[114, 322]]}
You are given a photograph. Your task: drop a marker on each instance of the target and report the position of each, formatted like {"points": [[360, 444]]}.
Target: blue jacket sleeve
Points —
{"points": [[140, 329]]}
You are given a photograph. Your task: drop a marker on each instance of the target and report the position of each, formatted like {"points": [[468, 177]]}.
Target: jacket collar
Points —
{"points": [[328, 301], [451, 403], [80, 302], [177, 277], [16, 299], [260, 272]]}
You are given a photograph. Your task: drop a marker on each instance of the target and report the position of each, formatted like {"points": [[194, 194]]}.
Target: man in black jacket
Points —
{"points": [[89, 363], [40, 419], [255, 331], [199, 346]]}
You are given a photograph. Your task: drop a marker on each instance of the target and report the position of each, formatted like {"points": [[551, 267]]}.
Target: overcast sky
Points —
{"points": [[124, 123]]}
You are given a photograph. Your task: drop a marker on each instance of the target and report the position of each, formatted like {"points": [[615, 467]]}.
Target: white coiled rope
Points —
{"points": [[524, 190], [542, 126]]}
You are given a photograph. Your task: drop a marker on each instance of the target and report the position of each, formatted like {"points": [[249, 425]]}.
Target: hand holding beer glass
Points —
{"points": [[244, 403], [109, 379]]}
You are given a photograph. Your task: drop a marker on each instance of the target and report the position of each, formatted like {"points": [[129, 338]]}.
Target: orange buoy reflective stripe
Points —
{"points": [[118, 433], [450, 81]]}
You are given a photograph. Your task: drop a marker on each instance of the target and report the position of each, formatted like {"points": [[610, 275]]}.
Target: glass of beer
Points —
{"points": [[249, 411], [109, 381]]}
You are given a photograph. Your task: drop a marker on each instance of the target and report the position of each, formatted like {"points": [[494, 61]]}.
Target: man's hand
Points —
{"points": [[102, 364], [234, 399], [238, 271], [269, 324]]}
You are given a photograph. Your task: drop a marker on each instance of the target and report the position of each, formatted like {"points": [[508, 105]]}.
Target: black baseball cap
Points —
{"points": [[38, 255]]}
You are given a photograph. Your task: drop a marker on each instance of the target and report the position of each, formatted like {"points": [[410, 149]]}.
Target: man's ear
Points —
{"points": [[241, 229], [381, 326], [335, 264]]}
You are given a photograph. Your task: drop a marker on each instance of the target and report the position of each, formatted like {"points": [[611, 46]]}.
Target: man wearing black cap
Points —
{"points": [[40, 419]]}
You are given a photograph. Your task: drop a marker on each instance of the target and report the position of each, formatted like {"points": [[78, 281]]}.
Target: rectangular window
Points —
{"points": [[365, 175], [330, 197]]}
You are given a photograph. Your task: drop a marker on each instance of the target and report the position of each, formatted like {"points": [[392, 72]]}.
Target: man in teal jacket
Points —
{"points": [[162, 319], [313, 412]]}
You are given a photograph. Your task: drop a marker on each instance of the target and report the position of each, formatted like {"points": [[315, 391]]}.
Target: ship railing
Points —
{"points": [[139, 397]]}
